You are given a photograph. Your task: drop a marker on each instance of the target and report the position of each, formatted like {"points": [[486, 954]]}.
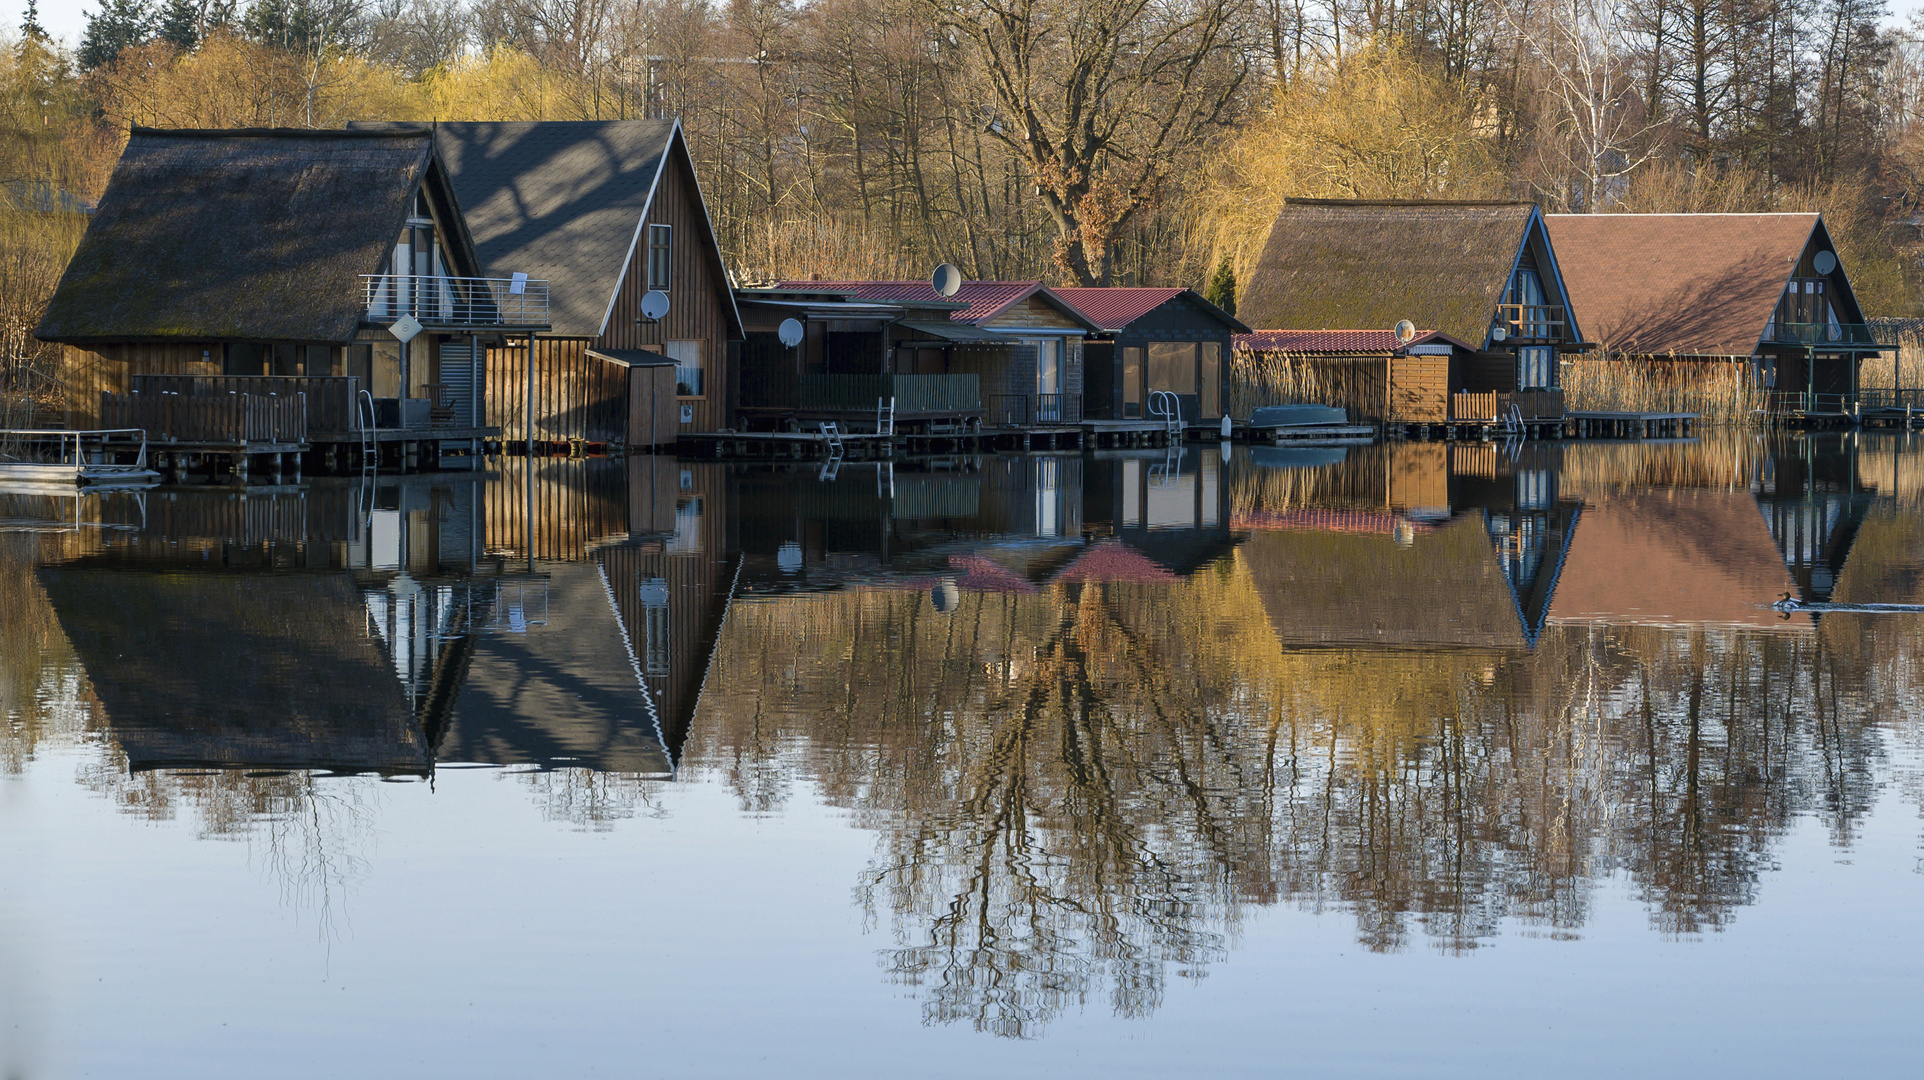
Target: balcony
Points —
{"points": [[1526, 323], [493, 303], [1847, 335]]}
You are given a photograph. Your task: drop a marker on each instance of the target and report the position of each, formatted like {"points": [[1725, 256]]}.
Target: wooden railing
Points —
{"points": [[914, 394], [1533, 322], [1785, 401], [330, 398], [226, 418], [1495, 404]]}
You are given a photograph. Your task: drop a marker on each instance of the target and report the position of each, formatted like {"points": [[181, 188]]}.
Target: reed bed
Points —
{"points": [[1720, 459], [1257, 379], [1718, 393], [1906, 368]]}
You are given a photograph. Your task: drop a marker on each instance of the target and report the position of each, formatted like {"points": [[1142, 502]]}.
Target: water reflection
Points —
{"points": [[1095, 709]]}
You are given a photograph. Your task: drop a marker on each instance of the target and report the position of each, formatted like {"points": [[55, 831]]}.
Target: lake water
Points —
{"points": [[1412, 760]]}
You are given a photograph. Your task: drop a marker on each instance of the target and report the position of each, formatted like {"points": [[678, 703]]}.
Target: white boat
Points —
{"points": [[38, 460]]}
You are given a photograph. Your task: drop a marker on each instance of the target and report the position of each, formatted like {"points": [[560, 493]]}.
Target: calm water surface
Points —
{"points": [[1453, 761]]}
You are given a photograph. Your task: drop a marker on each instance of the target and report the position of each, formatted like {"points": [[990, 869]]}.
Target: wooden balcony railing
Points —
{"points": [[1495, 405], [455, 301], [225, 419], [1533, 322]]}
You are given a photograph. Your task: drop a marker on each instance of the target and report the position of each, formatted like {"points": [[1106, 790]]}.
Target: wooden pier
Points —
{"points": [[1630, 425]]}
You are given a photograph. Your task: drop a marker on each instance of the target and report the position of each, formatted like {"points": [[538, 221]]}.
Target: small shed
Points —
{"points": [[1154, 340], [1370, 374]]}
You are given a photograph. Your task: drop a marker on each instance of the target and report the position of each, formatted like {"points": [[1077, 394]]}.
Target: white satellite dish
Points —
{"points": [[654, 304], [947, 595], [947, 280], [1406, 331], [1823, 262], [790, 332]]}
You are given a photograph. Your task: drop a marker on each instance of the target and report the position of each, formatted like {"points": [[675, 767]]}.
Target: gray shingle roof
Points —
{"points": [[248, 234], [556, 200]]}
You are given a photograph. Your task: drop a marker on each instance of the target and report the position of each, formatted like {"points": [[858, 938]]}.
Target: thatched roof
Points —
{"points": [[1680, 284], [242, 234], [563, 200], [1447, 589], [1343, 265], [217, 670]]}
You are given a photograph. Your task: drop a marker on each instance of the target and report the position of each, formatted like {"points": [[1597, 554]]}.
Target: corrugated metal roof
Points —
{"points": [[1336, 341], [953, 331], [985, 299], [1115, 308]]}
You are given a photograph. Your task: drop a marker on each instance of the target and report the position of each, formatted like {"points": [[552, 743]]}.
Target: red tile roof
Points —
{"points": [[1682, 284], [980, 574], [986, 299], [1113, 560], [1335, 341], [1115, 308]]}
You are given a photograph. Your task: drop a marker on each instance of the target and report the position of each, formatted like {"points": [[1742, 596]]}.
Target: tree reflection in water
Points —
{"points": [[1080, 790]]}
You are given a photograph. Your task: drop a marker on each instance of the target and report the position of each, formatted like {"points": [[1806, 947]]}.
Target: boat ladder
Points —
{"points": [[1167, 405], [832, 434], [885, 479], [885, 417]]}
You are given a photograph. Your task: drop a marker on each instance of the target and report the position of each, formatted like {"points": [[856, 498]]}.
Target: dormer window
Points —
{"points": [[660, 249]]}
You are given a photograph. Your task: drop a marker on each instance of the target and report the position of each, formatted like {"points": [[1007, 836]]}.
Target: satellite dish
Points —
{"points": [[790, 332], [1824, 262], [1406, 331], [947, 280], [946, 595], [654, 304]]}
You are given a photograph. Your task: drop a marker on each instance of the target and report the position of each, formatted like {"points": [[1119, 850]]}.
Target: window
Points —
{"points": [[243, 358], [1212, 378], [690, 379], [1172, 366], [1536, 368], [660, 247], [655, 627], [1131, 382]]}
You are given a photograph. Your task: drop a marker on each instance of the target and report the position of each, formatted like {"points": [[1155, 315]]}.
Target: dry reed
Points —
{"points": [[1718, 393]]}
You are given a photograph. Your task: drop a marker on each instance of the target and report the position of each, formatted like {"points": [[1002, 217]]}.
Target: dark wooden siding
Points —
{"points": [[111, 368], [576, 396], [577, 504], [652, 407], [698, 296], [1177, 320]]}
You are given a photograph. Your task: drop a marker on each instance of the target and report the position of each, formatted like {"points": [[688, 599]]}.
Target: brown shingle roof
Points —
{"points": [[260, 234], [1335, 264], [1683, 284]]}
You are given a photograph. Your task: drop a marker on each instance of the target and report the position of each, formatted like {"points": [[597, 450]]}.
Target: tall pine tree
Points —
{"points": [[117, 26]]}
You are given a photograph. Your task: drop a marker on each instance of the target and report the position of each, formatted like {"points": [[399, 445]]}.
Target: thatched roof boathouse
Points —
{"points": [[1480, 273], [309, 266]]}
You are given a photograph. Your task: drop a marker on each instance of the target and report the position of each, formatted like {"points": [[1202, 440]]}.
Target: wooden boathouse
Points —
{"points": [[610, 213], [1483, 274], [1163, 355], [267, 293], [1767, 293]]}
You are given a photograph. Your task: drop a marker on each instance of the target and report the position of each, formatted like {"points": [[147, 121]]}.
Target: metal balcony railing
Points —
{"points": [[455, 301], [1783, 333], [1533, 322], [1797, 401]]}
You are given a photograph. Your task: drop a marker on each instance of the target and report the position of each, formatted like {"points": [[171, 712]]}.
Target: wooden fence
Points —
{"points": [[1493, 405], [330, 399], [227, 419]]}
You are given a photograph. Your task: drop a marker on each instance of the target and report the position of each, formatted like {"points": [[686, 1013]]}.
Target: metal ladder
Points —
{"points": [[370, 458], [1166, 404], [885, 417], [885, 480], [832, 432]]}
